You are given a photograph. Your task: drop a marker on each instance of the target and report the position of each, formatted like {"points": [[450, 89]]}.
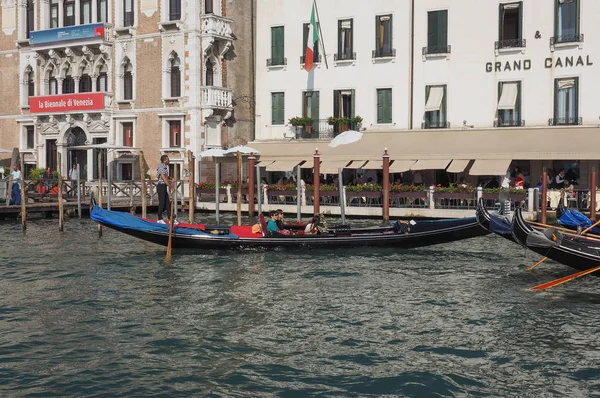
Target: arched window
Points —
{"points": [[128, 81], [210, 81], [175, 77], [30, 83], [85, 84], [30, 18], [68, 86], [52, 84]]}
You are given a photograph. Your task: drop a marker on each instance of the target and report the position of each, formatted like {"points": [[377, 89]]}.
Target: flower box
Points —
{"points": [[421, 194], [281, 193], [364, 194], [450, 195], [200, 191]]}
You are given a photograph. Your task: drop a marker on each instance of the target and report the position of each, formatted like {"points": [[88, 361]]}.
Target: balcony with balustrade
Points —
{"points": [[216, 30], [217, 98]]}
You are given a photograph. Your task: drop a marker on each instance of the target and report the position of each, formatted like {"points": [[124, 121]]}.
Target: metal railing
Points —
{"points": [[384, 53], [436, 49], [510, 43], [319, 129], [509, 123], [571, 38], [316, 59], [565, 121], [435, 125], [276, 62], [344, 56]]}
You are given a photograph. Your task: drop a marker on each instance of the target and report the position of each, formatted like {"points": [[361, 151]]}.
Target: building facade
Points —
{"points": [[436, 65], [146, 74]]}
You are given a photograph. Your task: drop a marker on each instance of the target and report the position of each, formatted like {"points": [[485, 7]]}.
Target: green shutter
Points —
{"points": [[444, 100], [377, 36], [518, 104], [380, 103], [304, 39], [351, 37], [273, 43], [336, 103], [578, 8], [432, 27], [391, 33], [277, 108], [442, 23], [273, 108], [281, 44], [388, 106], [353, 104], [277, 45], [500, 19], [281, 108], [339, 37], [314, 111], [520, 20], [555, 100]]}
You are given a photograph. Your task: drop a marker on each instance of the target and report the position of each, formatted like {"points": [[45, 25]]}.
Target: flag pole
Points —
{"points": [[321, 34]]}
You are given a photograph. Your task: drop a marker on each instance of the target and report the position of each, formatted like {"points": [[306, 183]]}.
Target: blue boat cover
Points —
{"points": [[499, 225], [573, 219], [127, 221]]}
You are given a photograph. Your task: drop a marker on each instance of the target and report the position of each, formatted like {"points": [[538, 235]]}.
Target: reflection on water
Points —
{"points": [[83, 316]]}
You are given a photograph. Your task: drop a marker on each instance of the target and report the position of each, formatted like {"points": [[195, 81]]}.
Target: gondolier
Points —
{"points": [[163, 183]]}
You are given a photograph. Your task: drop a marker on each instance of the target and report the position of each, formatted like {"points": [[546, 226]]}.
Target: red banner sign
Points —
{"points": [[66, 103]]}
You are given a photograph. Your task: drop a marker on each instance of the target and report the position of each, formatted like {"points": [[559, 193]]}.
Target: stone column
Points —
{"points": [[59, 85], [76, 83], [61, 14], [78, 12], [94, 82], [44, 15], [94, 11]]}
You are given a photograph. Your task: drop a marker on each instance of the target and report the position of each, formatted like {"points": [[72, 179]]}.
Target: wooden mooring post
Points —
{"points": [[192, 182], [60, 196], [99, 188], [143, 184], [22, 186]]}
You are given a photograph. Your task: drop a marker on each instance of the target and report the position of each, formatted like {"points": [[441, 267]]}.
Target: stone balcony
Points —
{"points": [[217, 98], [76, 36], [216, 33]]}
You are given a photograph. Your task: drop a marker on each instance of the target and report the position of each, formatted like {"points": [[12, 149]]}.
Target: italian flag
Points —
{"points": [[311, 42]]}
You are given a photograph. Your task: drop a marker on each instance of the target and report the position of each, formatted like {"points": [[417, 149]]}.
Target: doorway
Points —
{"points": [[76, 137]]}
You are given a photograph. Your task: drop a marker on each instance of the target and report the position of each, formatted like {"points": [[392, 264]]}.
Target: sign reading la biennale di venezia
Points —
{"points": [[525, 64]]}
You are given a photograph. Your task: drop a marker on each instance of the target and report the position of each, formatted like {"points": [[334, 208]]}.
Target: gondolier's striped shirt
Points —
{"points": [[162, 169]]}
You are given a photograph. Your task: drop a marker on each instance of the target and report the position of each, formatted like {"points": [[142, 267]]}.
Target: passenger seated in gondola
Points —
{"points": [[281, 224], [272, 223], [311, 226]]}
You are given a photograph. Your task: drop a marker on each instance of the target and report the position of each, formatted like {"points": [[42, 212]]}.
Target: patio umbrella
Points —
{"points": [[212, 153], [244, 150], [347, 137]]}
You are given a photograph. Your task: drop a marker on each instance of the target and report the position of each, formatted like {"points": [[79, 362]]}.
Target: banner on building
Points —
{"points": [[67, 103], [69, 33]]}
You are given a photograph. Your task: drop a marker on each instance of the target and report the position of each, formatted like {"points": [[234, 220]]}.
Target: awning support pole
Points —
{"points": [[317, 181], [217, 186], [258, 189], [341, 195], [544, 195], [298, 194], [251, 163]]}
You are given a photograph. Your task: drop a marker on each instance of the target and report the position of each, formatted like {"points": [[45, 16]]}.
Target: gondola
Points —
{"points": [[576, 252], [495, 223], [573, 219], [199, 236]]}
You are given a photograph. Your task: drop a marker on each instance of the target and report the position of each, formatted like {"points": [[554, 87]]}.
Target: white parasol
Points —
{"points": [[244, 150], [347, 137]]}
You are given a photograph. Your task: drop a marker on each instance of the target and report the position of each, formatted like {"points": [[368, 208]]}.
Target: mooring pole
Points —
{"points": [[544, 195], [60, 196], [143, 184], [175, 168], [217, 186], [386, 186], [192, 167], [22, 186], [78, 192], [593, 195], [316, 182], [258, 190], [341, 195], [298, 194], [109, 177], [100, 167], [239, 188], [251, 165]]}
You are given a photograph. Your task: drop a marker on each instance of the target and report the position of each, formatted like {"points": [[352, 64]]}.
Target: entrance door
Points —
{"points": [[51, 158], [77, 137]]}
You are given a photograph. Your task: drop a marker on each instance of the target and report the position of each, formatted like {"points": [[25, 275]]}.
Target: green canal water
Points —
{"points": [[82, 316]]}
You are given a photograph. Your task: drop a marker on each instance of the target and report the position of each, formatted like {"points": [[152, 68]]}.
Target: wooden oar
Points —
{"points": [[168, 256], [565, 279], [538, 263], [592, 226], [569, 231]]}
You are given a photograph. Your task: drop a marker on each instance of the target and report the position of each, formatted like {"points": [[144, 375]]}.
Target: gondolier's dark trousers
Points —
{"points": [[163, 200]]}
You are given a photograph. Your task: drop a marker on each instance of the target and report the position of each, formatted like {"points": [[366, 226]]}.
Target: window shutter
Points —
{"points": [[336, 103], [575, 114], [518, 104], [577, 10], [520, 20], [282, 108], [444, 101], [380, 99], [340, 33], [432, 27], [353, 103], [351, 37], [388, 105], [555, 100], [315, 108], [442, 28], [274, 111], [280, 43], [390, 34], [500, 22], [304, 39], [377, 35], [556, 17]]}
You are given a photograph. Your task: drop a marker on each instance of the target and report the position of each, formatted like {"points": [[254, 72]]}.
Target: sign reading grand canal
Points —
{"points": [[559, 62], [66, 103]]}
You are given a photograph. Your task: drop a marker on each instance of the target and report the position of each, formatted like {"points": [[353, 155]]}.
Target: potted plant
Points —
{"points": [[343, 123], [296, 121], [333, 121], [356, 122]]}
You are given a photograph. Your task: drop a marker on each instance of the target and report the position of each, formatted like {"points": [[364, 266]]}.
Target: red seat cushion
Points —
{"points": [[244, 231]]}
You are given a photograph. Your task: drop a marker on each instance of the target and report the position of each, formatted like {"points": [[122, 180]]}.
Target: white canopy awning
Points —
{"points": [[490, 167], [430, 164], [458, 166], [332, 166], [357, 164], [508, 99], [400, 166], [282, 165], [434, 101]]}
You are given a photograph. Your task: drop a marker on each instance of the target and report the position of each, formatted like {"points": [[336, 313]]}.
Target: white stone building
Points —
{"points": [[511, 71]]}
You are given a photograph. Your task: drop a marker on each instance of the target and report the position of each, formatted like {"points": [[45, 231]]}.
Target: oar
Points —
{"points": [[565, 279], [592, 226], [568, 231], [538, 263], [168, 256]]}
